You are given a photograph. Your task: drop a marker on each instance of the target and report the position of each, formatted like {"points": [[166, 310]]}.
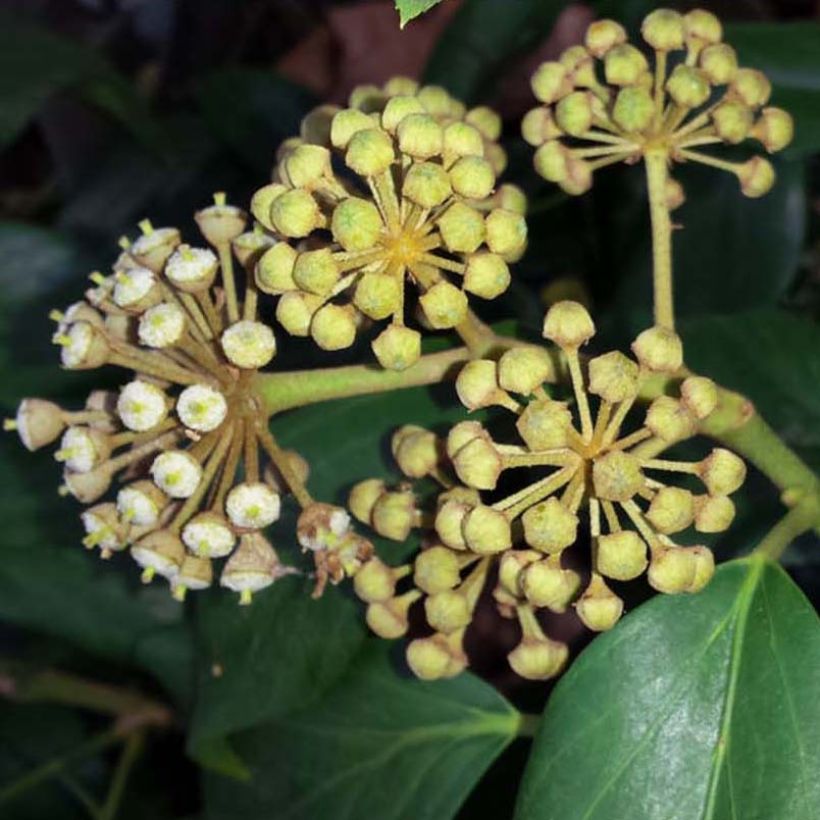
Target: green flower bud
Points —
{"points": [[538, 127], [603, 35], [752, 87], [613, 377], [672, 510], [462, 140], [374, 581], [704, 568], [688, 86], [447, 611], [363, 497], [415, 450], [262, 201], [664, 30], [478, 464], [511, 567], [634, 108], [670, 420], [621, 555], [568, 324], [545, 584], [551, 161], [550, 82], [444, 305], [579, 65], [401, 85], [544, 424], [574, 113], [659, 350], [333, 327], [427, 184], [485, 120], [436, 100], [393, 514], [295, 213], [579, 177], [719, 63], [506, 232], [713, 513], [774, 130], [538, 658], [549, 526], [429, 658], [450, 521], [599, 608], [496, 156], [420, 136], [472, 177], [487, 531], [436, 569], [462, 434], [461, 228], [249, 247], [397, 109], [274, 270], [377, 296], [703, 27], [699, 395], [356, 224], [347, 123], [672, 570], [756, 177], [523, 369], [367, 97], [487, 275], [370, 152], [315, 126], [397, 347], [722, 472], [316, 271], [308, 164], [617, 476], [512, 198], [624, 65], [388, 619], [477, 384], [295, 310], [732, 121]]}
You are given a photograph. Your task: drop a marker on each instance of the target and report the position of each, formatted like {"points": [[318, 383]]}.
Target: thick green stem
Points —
{"points": [[656, 176], [795, 522]]}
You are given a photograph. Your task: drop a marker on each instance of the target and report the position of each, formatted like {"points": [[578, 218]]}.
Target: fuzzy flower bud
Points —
{"points": [[333, 327], [688, 86], [613, 377], [671, 510], [603, 35], [664, 30], [436, 569], [624, 65], [672, 569], [568, 324], [363, 497], [774, 129], [719, 63], [634, 108], [545, 584], [295, 213], [550, 82], [524, 369], [274, 270], [506, 232], [397, 347], [356, 224], [486, 530], [670, 420], [444, 305], [538, 658], [617, 476], [659, 350], [415, 450], [549, 526], [722, 472], [621, 555], [374, 581], [477, 384], [573, 113], [487, 275], [599, 607], [545, 424], [388, 619], [393, 515], [447, 611], [756, 177], [713, 513]]}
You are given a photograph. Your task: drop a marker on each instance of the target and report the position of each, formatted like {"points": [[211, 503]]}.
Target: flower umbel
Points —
{"points": [[575, 459], [399, 187]]}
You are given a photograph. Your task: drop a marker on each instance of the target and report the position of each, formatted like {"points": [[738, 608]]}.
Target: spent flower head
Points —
{"points": [[400, 187]]}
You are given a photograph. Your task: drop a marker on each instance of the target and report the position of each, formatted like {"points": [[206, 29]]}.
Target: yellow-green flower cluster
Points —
{"points": [[398, 187], [604, 102], [573, 459]]}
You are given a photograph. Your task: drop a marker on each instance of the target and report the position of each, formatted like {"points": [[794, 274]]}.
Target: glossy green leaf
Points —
{"points": [[381, 744], [693, 708], [410, 9], [771, 357]]}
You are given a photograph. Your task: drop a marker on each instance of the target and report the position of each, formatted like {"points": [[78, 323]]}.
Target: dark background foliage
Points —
{"points": [[113, 110]]}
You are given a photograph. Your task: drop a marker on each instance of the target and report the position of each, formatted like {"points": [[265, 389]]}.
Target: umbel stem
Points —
{"points": [[656, 176]]}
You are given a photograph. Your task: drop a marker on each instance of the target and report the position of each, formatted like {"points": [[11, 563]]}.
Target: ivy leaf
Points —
{"points": [[698, 706], [385, 745], [410, 9]]}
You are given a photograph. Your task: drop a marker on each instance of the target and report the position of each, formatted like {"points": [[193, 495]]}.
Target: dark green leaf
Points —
{"points": [[409, 9], [379, 745], [701, 707]]}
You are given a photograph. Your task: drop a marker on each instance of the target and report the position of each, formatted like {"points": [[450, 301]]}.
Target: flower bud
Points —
{"points": [[347, 123], [624, 65], [664, 30], [176, 473], [274, 270], [427, 184], [538, 127], [333, 327], [545, 584], [621, 555], [699, 395], [415, 451], [397, 109], [388, 619], [722, 472], [485, 120], [538, 658], [506, 232], [550, 82], [477, 385], [522, 370], [363, 497], [703, 27], [659, 350], [393, 514], [295, 213], [568, 324], [436, 570], [209, 535], [672, 510], [688, 86], [672, 569], [599, 608], [316, 271], [306, 166], [549, 526], [487, 531], [453, 506], [774, 130], [462, 140], [713, 513], [670, 420], [437, 101], [719, 63], [487, 275], [377, 296], [704, 568], [374, 581], [38, 422], [545, 424], [160, 552], [316, 124], [634, 108], [617, 476], [461, 228], [733, 121], [603, 35], [201, 408], [252, 506], [756, 177], [752, 87], [613, 377], [511, 568], [295, 310], [551, 161], [397, 347], [356, 224], [478, 464], [462, 434], [370, 152], [472, 177], [444, 305], [447, 611], [221, 223], [573, 113], [429, 658], [248, 345], [262, 202]]}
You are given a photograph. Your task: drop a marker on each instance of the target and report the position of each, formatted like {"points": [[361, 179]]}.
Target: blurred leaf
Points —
{"points": [[771, 357], [788, 54], [35, 64], [383, 746], [409, 9], [482, 37], [698, 706]]}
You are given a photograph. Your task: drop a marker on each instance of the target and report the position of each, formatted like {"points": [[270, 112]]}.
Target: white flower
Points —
{"points": [[201, 408], [141, 406]]}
